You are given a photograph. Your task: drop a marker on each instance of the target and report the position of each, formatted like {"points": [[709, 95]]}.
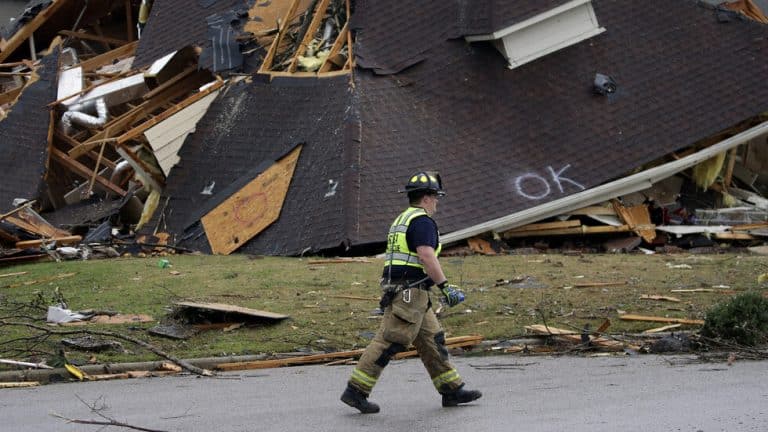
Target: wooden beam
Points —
{"points": [[575, 337], [266, 65], [84, 171], [326, 357], [88, 36], [170, 83], [734, 236], [72, 239], [119, 124], [631, 317], [129, 29], [547, 225], [137, 131], [91, 154], [10, 95], [317, 18], [584, 229], [341, 40], [108, 57], [8, 47]]}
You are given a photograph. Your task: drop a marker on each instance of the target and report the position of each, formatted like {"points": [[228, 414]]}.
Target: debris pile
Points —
{"points": [[95, 120]]}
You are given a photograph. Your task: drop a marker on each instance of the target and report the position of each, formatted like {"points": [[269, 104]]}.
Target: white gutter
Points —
{"points": [[623, 186]]}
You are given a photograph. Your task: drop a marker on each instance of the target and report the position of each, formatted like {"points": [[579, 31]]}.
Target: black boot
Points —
{"points": [[356, 399], [460, 396]]}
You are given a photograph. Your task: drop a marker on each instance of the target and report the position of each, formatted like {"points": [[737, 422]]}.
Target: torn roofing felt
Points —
{"points": [[24, 137], [251, 126], [504, 140], [174, 24]]}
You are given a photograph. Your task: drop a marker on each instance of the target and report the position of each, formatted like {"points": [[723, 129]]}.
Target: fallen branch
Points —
{"points": [[184, 364], [108, 421]]}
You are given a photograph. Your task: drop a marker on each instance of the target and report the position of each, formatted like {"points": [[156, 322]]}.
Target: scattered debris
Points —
{"points": [[631, 317]]}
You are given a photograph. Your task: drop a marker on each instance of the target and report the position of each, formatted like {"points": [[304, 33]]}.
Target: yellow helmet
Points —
{"points": [[425, 181]]}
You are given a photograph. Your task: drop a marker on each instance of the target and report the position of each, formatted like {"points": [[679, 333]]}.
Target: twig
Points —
{"points": [[184, 364], [107, 420]]}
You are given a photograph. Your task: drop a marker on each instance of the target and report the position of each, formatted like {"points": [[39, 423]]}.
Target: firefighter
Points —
{"points": [[411, 270]]}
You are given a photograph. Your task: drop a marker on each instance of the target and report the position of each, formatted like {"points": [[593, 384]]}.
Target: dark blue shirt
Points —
{"points": [[422, 231]]}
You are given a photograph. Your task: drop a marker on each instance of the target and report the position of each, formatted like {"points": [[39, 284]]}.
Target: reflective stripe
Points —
{"points": [[363, 379], [445, 378], [398, 252]]}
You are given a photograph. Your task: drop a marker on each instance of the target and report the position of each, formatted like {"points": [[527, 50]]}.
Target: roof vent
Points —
{"points": [[547, 32], [604, 84]]}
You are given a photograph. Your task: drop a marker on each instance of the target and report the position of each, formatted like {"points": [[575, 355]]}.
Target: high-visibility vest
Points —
{"points": [[398, 253]]}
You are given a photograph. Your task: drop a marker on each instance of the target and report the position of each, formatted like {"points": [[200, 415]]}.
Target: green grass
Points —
{"points": [[322, 319]]}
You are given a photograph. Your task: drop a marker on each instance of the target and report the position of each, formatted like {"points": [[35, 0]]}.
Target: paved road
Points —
{"points": [[639, 393]]}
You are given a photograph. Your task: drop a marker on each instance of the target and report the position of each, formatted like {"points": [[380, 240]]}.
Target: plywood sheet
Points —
{"points": [[251, 209], [222, 307]]}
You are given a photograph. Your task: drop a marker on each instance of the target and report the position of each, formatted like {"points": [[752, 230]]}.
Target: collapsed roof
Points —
{"points": [[286, 161], [504, 140]]}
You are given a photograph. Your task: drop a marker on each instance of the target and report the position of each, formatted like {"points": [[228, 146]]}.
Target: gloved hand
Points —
{"points": [[451, 293]]}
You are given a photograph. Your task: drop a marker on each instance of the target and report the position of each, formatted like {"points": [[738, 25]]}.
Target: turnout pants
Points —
{"points": [[409, 319]]}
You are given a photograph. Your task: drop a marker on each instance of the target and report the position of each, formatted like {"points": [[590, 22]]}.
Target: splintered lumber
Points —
{"points": [[251, 209], [479, 245], [455, 342], [317, 18], [659, 297], [65, 240], [19, 384], [266, 65], [341, 40], [638, 218], [547, 225], [664, 328], [8, 47], [632, 317], [338, 261], [13, 274], [84, 171], [221, 307], [112, 319], [583, 229], [575, 337], [88, 36]]}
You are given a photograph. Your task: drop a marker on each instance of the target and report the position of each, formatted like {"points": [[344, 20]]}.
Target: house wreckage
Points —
{"points": [[285, 127]]}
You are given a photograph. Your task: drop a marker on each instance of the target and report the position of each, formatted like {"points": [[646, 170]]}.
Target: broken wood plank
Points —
{"points": [[24, 33], [84, 171], [283, 26], [583, 229], [17, 209], [301, 48], [96, 38], [351, 297], [171, 82], [663, 328], [632, 317], [29, 220], [221, 307], [547, 225], [575, 337], [341, 40], [66, 240], [638, 218], [112, 319], [747, 227], [72, 143], [479, 245], [11, 95], [338, 261], [454, 342], [19, 384], [251, 209], [594, 211], [12, 274], [109, 57], [692, 290], [143, 127], [25, 364], [734, 236], [659, 297]]}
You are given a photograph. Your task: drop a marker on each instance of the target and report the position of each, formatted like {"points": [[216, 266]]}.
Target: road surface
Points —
{"points": [[574, 394]]}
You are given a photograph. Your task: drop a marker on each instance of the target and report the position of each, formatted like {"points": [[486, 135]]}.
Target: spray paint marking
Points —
{"points": [[524, 184]]}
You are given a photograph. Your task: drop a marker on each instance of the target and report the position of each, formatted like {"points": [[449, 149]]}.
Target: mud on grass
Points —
{"points": [[330, 305]]}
